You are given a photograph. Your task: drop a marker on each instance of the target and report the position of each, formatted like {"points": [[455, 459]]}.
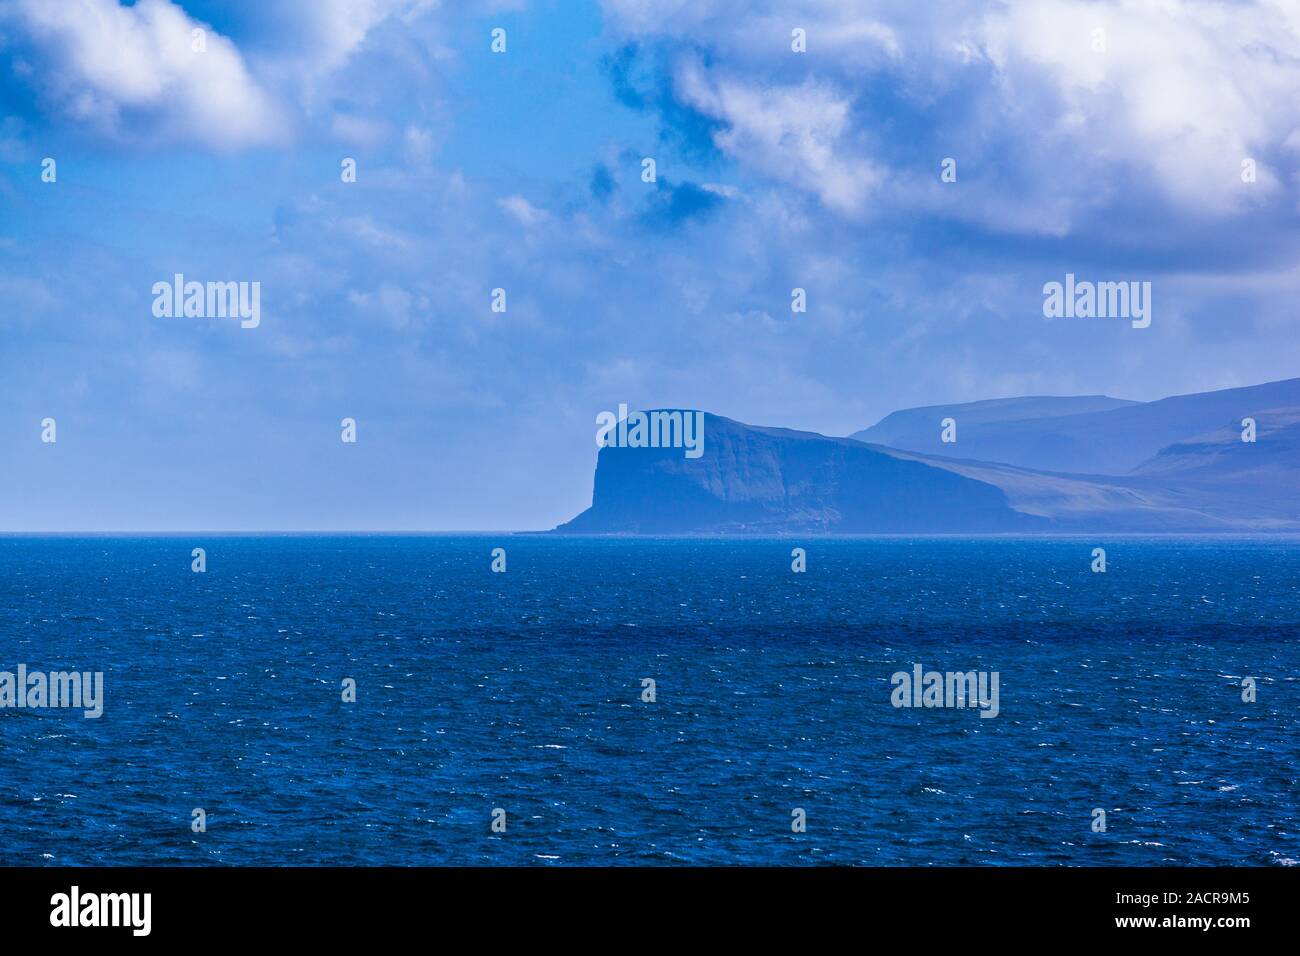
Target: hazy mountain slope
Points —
{"points": [[1221, 455], [1110, 441], [903, 428], [1176, 465], [1131, 504], [773, 480], [1257, 478]]}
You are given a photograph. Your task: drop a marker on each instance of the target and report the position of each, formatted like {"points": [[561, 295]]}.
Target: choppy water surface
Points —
{"points": [[523, 691]]}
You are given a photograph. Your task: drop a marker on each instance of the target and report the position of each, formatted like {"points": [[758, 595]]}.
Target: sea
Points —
{"points": [[377, 699]]}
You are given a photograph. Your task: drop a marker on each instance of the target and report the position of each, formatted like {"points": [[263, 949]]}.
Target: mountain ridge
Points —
{"points": [[753, 479], [1108, 441]]}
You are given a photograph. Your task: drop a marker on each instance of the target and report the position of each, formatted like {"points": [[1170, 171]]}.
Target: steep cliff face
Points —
{"points": [[756, 480]]}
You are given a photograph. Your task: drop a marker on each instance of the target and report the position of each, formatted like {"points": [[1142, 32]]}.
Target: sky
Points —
{"points": [[1103, 139]]}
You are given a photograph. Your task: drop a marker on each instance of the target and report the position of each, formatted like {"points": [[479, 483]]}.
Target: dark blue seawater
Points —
{"points": [[522, 690]]}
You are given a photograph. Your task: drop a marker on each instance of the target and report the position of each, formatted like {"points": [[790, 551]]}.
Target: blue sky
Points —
{"points": [[522, 171]]}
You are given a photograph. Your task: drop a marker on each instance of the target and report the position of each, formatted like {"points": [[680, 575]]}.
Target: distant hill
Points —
{"points": [[918, 426], [1220, 455], [1176, 465], [768, 480], [1171, 503], [1105, 441]]}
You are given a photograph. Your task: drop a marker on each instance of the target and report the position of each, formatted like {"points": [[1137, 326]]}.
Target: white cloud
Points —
{"points": [[369, 232], [796, 134], [418, 146], [106, 61], [129, 73], [522, 211], [306, 41], [359, 130], [337, 27], [1183, 92], [391, 304]]}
